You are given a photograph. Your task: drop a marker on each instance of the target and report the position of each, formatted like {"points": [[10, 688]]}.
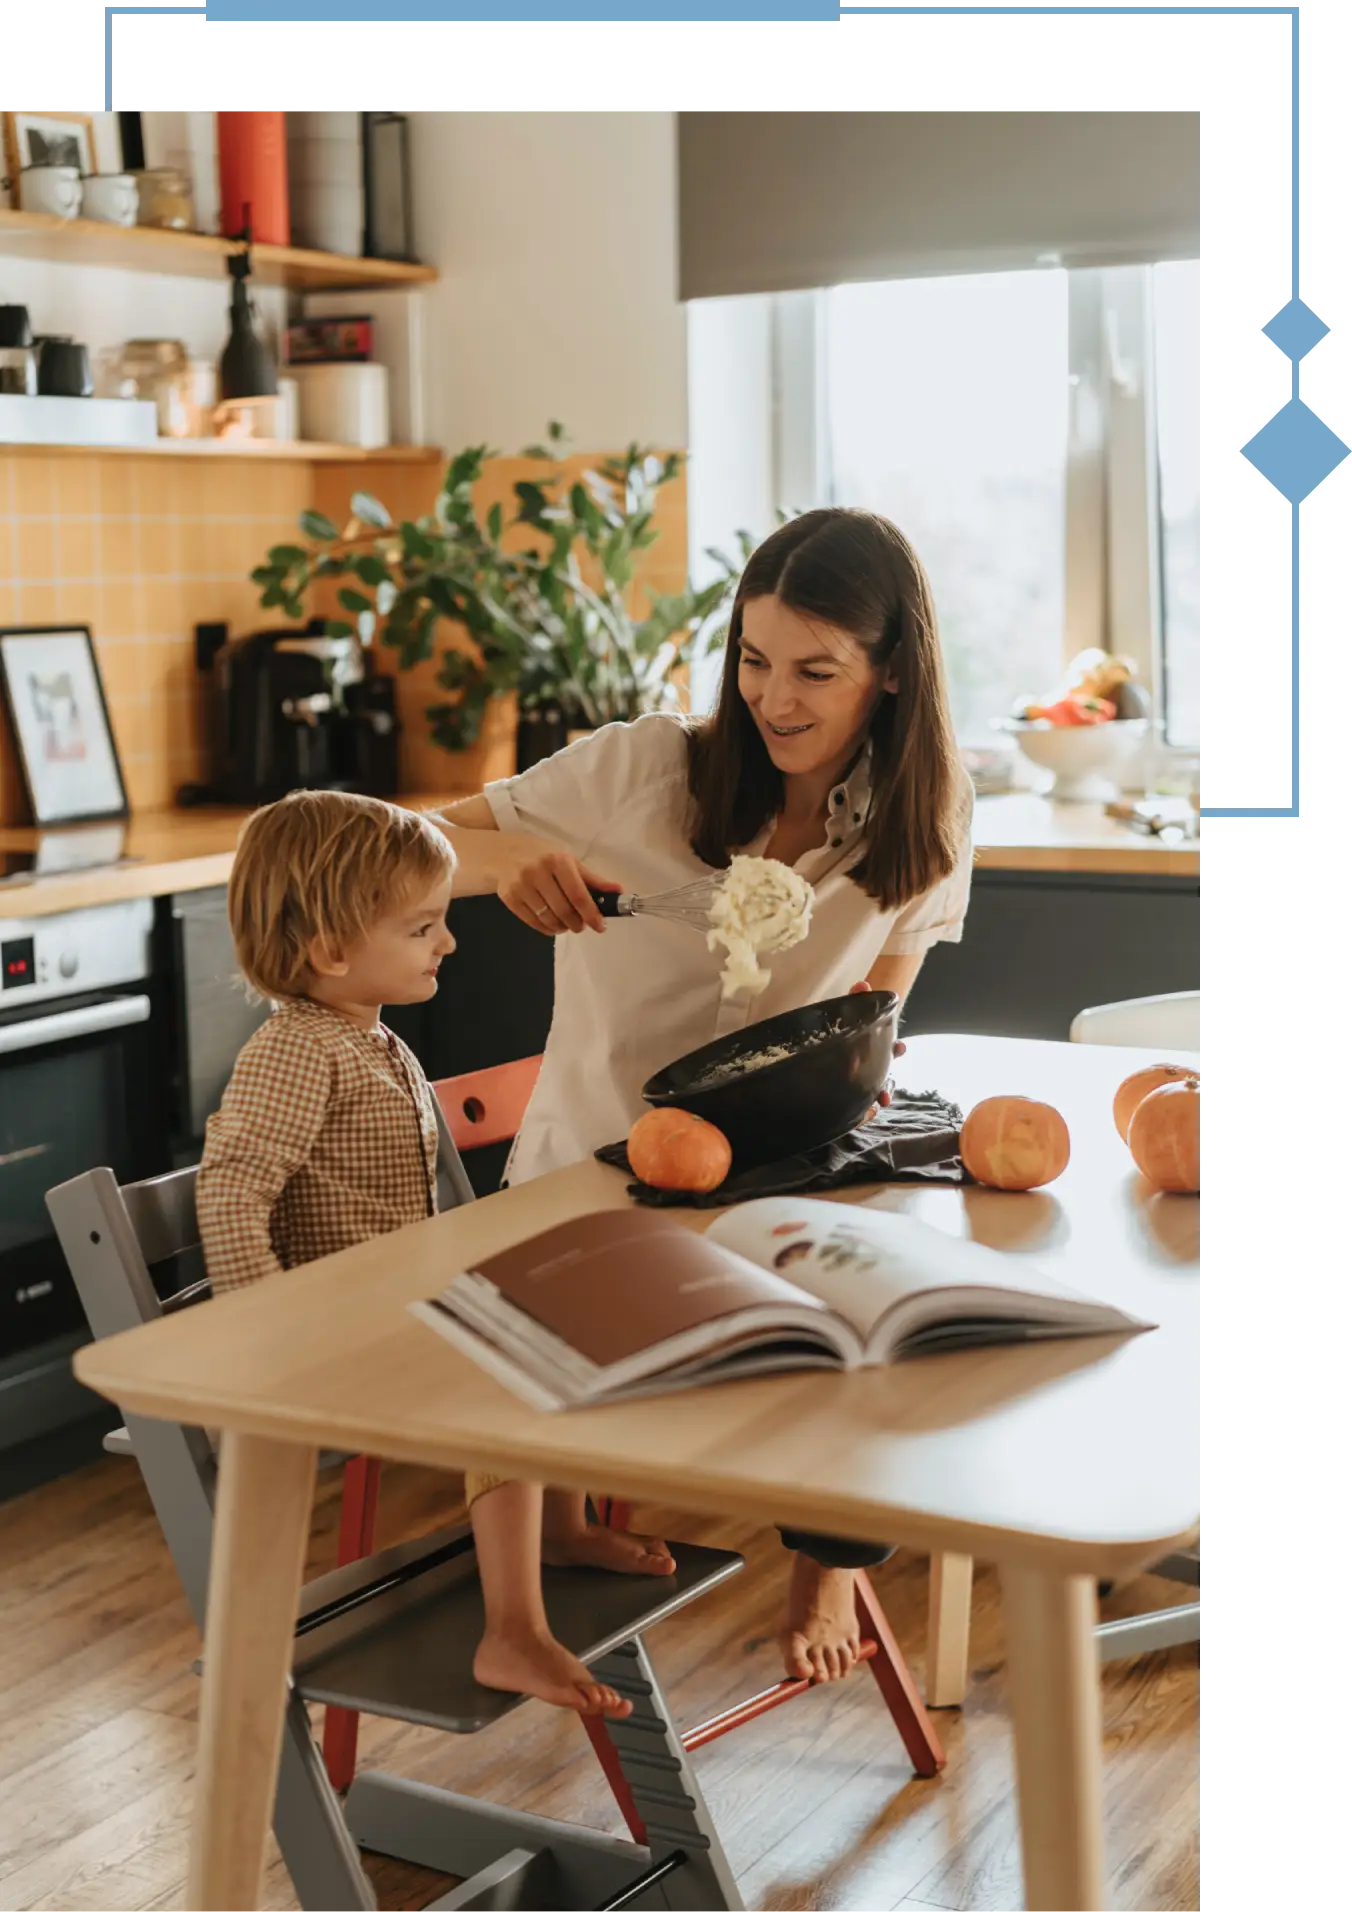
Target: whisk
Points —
{"points": [[691, 903]]}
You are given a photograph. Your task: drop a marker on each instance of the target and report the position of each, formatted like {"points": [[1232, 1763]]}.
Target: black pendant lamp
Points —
{"points": [[248, 369]]}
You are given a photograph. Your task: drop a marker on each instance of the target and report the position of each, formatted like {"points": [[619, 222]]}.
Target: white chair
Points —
{"points": [[1146, 1022]]}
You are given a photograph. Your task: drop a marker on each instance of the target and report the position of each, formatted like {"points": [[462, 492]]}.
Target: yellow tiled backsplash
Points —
{"points": [[141, 549]]}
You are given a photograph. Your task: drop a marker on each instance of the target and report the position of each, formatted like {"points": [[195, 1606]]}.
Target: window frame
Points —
{"points": [[1114, 592]]}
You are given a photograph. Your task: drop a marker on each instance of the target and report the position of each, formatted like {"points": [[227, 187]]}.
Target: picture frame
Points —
{"points": [[54, 700], [48, 139]]}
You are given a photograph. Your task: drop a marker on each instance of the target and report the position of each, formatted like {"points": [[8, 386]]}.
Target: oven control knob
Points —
{"points": [[69, 962]]}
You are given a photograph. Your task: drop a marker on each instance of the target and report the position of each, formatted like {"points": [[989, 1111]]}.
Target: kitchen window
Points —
{"points": [[1177, 372], [946, 409], [1035, 433]]}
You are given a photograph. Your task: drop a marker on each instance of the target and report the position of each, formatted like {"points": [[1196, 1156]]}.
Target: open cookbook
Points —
{"points": [[629, 1302]]}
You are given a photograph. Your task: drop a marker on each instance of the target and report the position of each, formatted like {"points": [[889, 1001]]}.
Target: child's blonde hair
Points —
{"points": [[323, 865]]}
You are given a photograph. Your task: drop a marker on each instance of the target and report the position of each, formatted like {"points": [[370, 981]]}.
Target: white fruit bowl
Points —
{"points": [[1087, 761]]}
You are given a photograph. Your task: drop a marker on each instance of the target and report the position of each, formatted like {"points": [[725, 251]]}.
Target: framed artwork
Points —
{"points": [[58, 715], [49, 139]]}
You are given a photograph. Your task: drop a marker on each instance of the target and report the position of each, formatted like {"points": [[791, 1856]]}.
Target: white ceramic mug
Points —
{"points": [[51, 189], [111, 197]]}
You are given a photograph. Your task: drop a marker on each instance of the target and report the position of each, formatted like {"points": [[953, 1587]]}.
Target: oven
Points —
{"points": [[81, 1086]]}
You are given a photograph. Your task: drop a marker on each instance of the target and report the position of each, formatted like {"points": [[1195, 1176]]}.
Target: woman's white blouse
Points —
{"points": [[630, 1001]]}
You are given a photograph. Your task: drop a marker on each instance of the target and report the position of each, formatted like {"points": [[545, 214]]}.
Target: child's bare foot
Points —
{"points": [[536, 1664], [588, 1545], [820, 1636]]}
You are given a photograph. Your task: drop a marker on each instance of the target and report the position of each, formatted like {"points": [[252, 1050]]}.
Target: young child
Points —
{"points": [[327, 1135]]}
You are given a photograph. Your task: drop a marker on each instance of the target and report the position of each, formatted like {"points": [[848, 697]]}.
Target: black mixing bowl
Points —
{"points": [[839, 1054]]}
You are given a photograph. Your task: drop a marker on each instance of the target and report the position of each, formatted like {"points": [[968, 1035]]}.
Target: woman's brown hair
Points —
{"points": [[856, 572]]}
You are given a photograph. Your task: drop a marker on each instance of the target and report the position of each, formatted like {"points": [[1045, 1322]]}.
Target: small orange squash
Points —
{"points": [[1010, 1141], [1165, 1137], [1140, 1084], [670, 1148]]}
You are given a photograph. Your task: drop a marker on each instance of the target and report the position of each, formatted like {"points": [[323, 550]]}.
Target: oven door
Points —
{"points": [[79, 1089]]}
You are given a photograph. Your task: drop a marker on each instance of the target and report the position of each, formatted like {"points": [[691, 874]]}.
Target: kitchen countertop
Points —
{"points": [[194, 849]]}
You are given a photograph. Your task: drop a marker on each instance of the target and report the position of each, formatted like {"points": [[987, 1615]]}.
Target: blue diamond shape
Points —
{"points": [[1296, 329], [1295, 451]]}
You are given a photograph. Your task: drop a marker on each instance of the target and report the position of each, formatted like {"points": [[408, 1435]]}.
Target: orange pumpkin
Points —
{"points": [[1009, 1141], [1165, 1137], [1140, 1084], [670, 1148]]}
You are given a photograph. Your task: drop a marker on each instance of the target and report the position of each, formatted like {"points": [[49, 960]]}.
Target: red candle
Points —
{"points": [[253, 176]]}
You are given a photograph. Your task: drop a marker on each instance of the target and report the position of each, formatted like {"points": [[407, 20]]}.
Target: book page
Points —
{"points": [[866, 1264], [616, 1284]]}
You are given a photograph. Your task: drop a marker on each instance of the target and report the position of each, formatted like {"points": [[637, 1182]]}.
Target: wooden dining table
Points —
{"points": [[1063, 1462]]}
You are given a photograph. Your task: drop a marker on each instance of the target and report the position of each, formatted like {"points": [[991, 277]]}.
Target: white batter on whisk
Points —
{"points": [[760, 906]]}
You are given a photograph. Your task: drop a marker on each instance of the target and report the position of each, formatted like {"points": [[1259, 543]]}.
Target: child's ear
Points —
{"points": [[325, 961]]}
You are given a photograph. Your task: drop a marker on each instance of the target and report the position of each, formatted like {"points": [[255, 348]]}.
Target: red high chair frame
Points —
{"points": [[481, 1108], [878, 1648]]}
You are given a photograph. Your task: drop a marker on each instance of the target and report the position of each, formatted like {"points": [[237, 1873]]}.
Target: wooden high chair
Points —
{"points": [[395, 1635]]}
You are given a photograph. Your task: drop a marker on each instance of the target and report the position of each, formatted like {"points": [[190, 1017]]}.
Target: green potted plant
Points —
{"points": [[548, 598]]}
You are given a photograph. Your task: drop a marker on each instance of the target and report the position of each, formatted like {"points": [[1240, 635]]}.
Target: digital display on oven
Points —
{"points": [[16, 963]]}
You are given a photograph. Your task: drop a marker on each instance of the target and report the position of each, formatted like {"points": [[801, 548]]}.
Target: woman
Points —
{"points": [[831, 749]]}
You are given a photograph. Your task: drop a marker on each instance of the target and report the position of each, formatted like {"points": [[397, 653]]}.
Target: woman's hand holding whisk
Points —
{"points": [[898, 1049], [548, 888]]}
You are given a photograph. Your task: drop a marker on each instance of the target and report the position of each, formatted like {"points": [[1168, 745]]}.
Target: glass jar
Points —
{"points": [[158, 369], [18, 360], [164, 199]]}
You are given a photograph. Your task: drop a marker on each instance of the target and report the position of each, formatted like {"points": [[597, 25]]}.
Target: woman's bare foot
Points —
{"points": [[536, 1664], [820, 1637], [608, 1547]]}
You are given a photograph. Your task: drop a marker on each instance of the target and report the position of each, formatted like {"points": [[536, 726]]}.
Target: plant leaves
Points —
{"points": [[371, 570], [416, 543], [370, 510], [288, 554], [353, 600], [315, 525]]}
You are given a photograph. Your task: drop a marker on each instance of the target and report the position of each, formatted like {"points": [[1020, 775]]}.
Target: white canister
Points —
{"points": [[288, 409], [328, 218], [51, 189], [345, 404], [111, 197], [324, 175]]}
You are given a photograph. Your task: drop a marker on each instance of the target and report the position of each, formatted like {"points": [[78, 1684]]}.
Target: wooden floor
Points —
{"points": [[98, 1727]]}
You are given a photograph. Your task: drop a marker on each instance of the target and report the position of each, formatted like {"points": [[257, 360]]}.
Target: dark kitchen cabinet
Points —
{"points": [[214, 1016], [1038, 948], [494, 1005]]}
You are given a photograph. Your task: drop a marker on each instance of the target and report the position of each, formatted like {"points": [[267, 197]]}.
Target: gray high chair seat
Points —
{"points": [[394, 1634]]}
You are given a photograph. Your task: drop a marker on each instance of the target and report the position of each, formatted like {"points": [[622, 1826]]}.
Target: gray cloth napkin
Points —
{"points": [[914, 1139]]}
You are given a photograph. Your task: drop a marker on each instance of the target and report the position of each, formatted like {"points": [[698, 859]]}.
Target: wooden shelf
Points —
{"points": [[296, 451], [196, 255]]}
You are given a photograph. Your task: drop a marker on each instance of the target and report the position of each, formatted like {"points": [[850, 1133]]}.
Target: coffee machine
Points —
{"points": [[294, 709]]}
